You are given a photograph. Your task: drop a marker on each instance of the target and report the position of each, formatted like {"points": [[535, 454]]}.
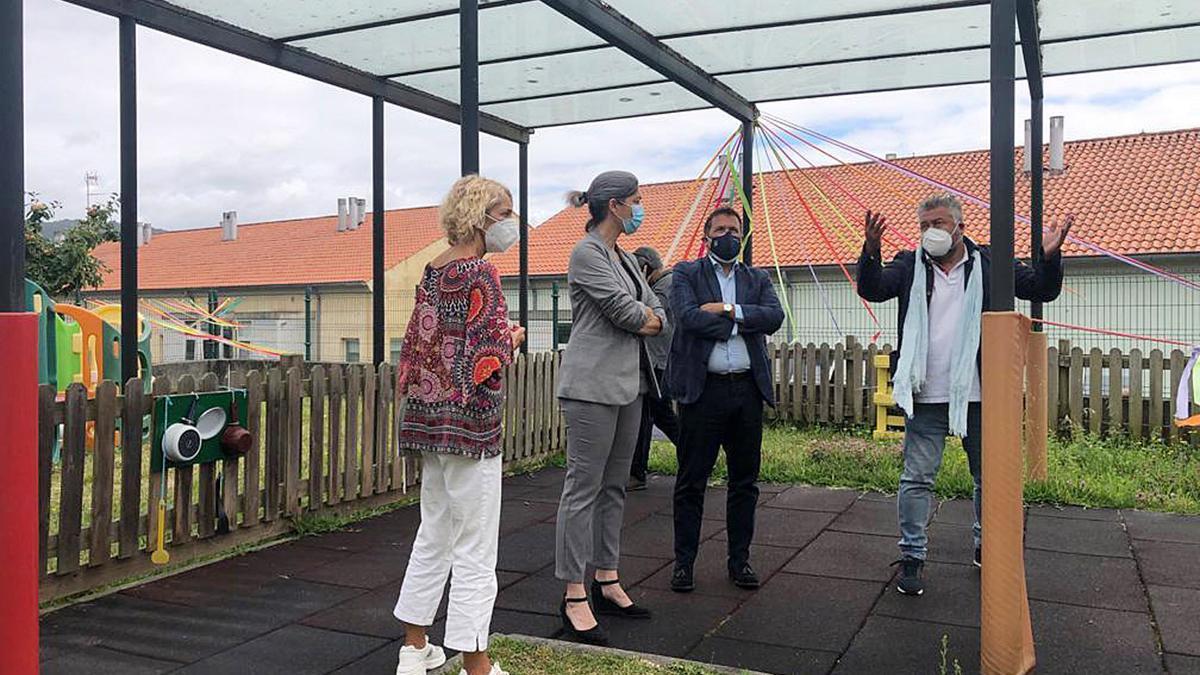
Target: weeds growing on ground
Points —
{"points": [[1084, 470]]}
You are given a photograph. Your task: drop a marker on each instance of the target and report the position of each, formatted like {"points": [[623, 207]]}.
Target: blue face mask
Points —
{"points": [[635, 220], [726, 247]]}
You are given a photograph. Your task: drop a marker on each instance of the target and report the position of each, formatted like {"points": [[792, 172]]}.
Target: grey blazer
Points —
{"points": [[602, 363]]}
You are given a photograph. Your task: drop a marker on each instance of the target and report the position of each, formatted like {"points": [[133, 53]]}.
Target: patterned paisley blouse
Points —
{"points": [[457, 344]]}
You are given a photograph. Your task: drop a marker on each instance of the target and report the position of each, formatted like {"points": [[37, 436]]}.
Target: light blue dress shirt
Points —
{"points": [[729, 356]]}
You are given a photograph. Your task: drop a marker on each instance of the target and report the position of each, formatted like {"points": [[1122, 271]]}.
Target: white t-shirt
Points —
{"points": [[945, 321]]}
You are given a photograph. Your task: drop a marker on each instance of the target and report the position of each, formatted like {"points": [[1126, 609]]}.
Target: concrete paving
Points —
{"points": [[1110, 592]]}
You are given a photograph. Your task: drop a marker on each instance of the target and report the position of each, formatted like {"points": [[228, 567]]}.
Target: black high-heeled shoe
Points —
{"points": [[603, 605], [595, 635]]}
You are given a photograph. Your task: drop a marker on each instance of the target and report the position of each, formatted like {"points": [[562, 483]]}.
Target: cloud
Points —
{"points": [[221, 133]]}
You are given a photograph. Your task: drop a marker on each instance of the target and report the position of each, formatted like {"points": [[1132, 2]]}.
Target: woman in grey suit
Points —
{"points": [[603, 378]]}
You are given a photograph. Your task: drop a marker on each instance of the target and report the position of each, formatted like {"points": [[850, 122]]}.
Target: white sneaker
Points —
{"points": [[415, 661], [496, 670]]}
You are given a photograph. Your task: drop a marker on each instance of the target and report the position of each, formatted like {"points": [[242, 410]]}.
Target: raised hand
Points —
{"points": [[1054, 236], [876, 225]]}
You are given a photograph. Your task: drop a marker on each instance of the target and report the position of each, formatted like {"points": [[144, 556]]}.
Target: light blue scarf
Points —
{"points": [[910, 370]]}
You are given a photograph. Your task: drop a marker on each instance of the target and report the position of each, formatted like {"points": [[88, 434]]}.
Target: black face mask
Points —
{"points": [[726, 247]]}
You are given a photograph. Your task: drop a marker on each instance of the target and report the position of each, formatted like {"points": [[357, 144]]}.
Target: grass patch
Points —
{"points": [[1084, 471], [517, 656]]}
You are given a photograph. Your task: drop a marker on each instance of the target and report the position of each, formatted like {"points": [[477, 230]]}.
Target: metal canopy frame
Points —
{"points": [[601, 20], [617, 30]]}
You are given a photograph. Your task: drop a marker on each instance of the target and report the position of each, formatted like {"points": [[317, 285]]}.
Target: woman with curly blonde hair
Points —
{"points": [[458, 342]]}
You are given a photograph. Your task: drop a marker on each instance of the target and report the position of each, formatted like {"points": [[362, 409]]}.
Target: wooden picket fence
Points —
{"points": [[324, 444], [1116, 394], [834, 385]]}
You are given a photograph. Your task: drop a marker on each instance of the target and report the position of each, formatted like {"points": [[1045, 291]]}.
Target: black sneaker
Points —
{"points": [[682, 580], [743, 576], [979, 557], [910, 582]]}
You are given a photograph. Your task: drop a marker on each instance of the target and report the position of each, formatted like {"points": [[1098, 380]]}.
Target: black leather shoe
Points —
{"points": [[743, 576], [603, 605], [595, 635], [682, 580]]}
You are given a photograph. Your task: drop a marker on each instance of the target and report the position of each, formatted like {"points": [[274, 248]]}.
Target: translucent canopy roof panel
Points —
{"points": [[540, 68]]}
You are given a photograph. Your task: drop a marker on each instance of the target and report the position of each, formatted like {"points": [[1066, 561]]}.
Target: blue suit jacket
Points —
{"points": [[697, 332]]}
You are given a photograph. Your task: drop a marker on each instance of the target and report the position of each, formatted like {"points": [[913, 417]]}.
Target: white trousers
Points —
{"points": [[459, 533]]}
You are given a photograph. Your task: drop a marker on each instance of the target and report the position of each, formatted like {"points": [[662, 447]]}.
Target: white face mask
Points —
{"points": [[936, 242], [502, 235]]}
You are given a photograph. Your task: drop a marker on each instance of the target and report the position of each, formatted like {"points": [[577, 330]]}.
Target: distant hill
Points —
{"points": [[56, 228]]}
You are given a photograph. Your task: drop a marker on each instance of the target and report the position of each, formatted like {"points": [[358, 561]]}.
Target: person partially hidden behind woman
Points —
{"points": [[605, 373], [458, 342]]}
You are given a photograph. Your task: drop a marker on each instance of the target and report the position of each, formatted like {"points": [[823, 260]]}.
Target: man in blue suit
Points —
{"points": [[719, 374]]}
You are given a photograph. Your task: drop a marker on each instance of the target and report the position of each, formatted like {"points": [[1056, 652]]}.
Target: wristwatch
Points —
{"points": [[728, 309]]}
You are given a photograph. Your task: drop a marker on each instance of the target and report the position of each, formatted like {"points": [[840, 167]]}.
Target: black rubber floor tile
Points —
{"points": [[152, 629], [807, 498], [368, 569], [1169, 563], [367, 614], [527, 550], [677, 624], [955, 512], [952, 544], [538, 594], [951, 597], [507, 622], [761, 657], [1177, 611], [1091, 581], [551, 475], [1162, 526], [361, 537], [285, 600], [516, 514], [1180, 664], [868, 516], [847, 556], [292, 557], [712, 569], [292, 650], [101, 661], [1090, 537], [787, 528], [1074, 512], [208, 585], [654, 536], [1072, 640], [803, 612], [639, 506], [903, 647], [382, 661]]}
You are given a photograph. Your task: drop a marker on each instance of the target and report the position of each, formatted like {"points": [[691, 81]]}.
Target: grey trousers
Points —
{"points": [[600, 444]]}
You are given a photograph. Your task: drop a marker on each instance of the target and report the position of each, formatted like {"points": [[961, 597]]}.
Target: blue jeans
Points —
{"points": [[924, 442]]}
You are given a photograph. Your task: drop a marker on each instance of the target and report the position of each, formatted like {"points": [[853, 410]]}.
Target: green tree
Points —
{"points": [[65, 266]]}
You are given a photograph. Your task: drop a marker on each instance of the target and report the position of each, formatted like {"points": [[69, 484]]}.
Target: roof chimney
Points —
{"points": [[1028, 150], [343, 215], [891, 156], [1056, 145], [360, 212], [147, 232], [229, 226]]}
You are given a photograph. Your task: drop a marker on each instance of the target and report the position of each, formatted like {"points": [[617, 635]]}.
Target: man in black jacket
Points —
{"points": [[943, 397], [718, 371]]}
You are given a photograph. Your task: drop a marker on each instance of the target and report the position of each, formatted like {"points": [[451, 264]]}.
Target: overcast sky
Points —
{"points": [[220, 133]]}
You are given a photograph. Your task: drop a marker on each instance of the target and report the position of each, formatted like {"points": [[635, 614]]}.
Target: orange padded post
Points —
{"points": [[1037, 417], [1006, 641]]}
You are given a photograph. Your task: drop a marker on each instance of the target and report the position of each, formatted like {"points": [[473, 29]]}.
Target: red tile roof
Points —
{"points": [[1134, 194], [284, 252]]}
